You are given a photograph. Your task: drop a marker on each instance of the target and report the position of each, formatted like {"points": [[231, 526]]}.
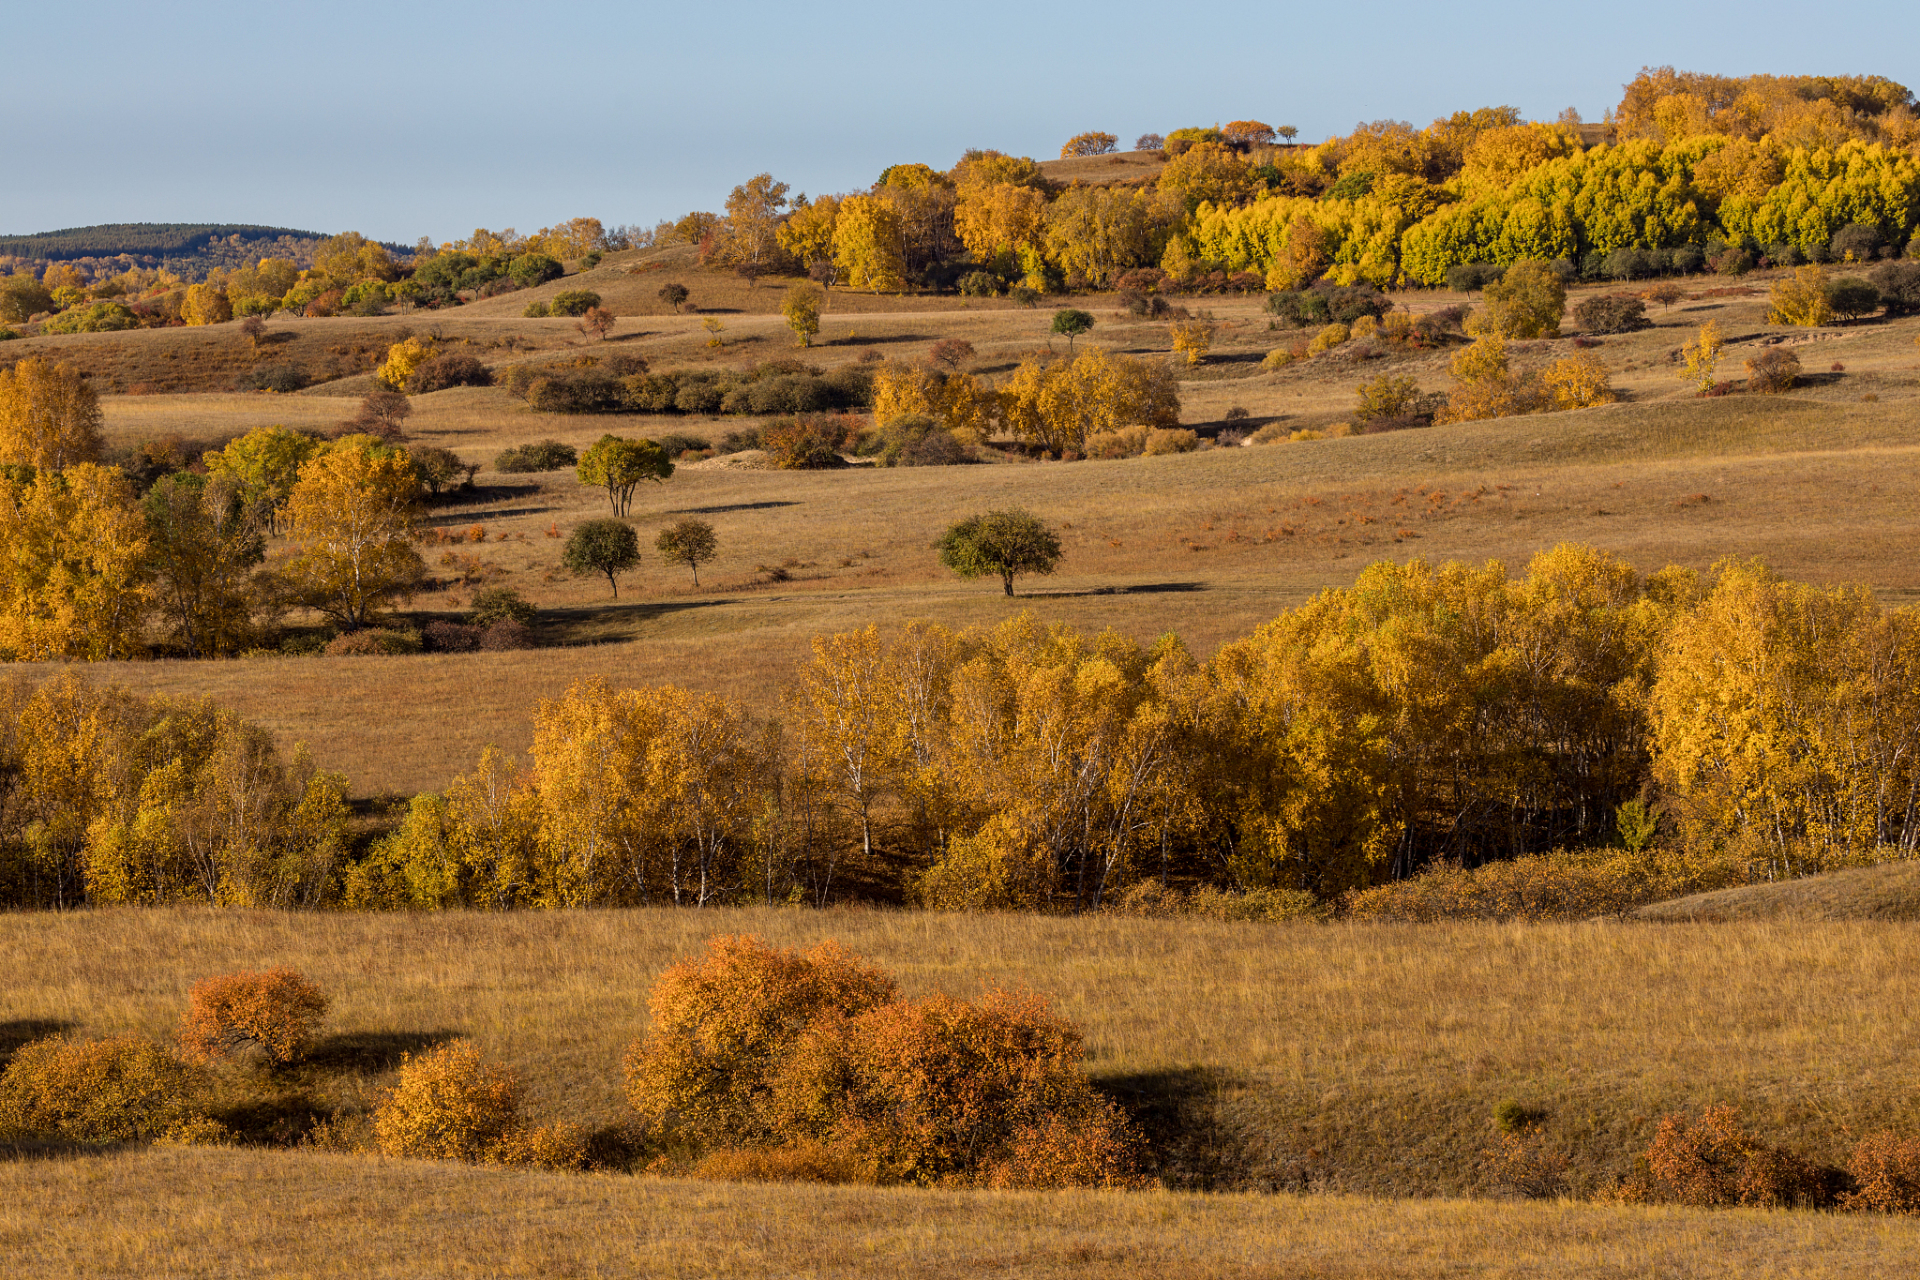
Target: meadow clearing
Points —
{"points": [[1329, 1088]]}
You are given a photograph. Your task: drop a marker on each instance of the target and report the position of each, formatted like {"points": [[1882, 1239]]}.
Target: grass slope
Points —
{"points": [[1346, 1058], [183, 1214], [1891, 892]]}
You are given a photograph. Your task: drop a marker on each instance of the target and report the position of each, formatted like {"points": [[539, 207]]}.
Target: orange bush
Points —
{"points": [[276, 1011], [943, 1091], [1886, 1172], [119, 1090], [1714, 1161], [721, 1023]]}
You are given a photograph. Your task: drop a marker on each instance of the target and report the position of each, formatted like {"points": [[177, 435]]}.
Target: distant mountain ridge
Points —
{"points": [[190, 249]]}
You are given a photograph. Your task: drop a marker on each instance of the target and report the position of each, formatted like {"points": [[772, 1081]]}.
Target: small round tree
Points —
{"points": [[602, 546], [689, 542], [674, 295], [802, 310], [1000, 544], [1072, 323], [597, 321], [619, 465]]}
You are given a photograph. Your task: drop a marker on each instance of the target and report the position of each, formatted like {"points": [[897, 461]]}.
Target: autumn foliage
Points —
{"points": [[450, 1104], [276, 1012], [118, 1090], [807, 1064]]}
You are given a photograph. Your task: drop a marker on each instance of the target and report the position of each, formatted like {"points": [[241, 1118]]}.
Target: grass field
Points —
{"points": [[189, 1214], [1352, 1058], [1208, 545]]}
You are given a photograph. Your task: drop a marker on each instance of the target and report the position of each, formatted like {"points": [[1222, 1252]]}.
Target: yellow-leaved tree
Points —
{"points": [[868, 244], [73, 565], [1057, 405], [49, 416], [1786, 722], [352, 512], [265, 465]]}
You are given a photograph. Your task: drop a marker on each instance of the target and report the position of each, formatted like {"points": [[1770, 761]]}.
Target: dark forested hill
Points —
{"points": [[190, 249]]}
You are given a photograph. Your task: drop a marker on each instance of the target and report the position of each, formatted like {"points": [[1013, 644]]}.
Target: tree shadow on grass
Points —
{"points": [[736, 506], [1136, 589], [1177, 1114], [368, 1052], [16, 1035]]}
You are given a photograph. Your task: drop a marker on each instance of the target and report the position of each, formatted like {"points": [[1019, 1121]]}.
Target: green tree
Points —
{"points": [[1526, 302], [619, 465], [802, 310], [603, 546], [674, 295], [265, 463], [1000, 544], [203, 541], [1072, 323], [690, 542]]}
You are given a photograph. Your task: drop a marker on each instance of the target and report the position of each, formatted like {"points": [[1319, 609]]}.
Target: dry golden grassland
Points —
{"points": [[218, 1214], [1348, 1058], [1818, 482]]}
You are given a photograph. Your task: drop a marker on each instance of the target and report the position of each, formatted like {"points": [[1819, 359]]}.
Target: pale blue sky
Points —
{"points": [[402, 119]]}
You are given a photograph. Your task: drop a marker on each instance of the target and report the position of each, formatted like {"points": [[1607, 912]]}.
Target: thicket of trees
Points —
{"points": [[1452, 713]]}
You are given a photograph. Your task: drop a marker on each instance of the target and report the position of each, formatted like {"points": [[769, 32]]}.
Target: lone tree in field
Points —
{"points": [[1072, 323], [602, 546], [598, 321], [689, 542], [674, 295], [1000, 544], [802, 310], [619, 465]]}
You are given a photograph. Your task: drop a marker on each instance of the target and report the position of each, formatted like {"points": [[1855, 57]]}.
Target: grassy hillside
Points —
{"points": [[1867, 893], [221, 1214], [1356, 1058]]}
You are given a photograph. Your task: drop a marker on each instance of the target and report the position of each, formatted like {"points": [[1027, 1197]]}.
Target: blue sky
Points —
{"points": [[404, 119]]}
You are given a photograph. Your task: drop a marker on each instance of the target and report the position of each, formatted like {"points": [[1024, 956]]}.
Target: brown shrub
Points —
{"points": [[506, 634], [722, 1024], [1773, 371], [119, 1090], [452, 637], [1886, 1173], [1522, 1164], [276, 1012], [807, 443], [450, 370], [1712, 1160]]}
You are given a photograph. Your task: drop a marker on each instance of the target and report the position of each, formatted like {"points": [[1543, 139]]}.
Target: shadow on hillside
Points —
{"points": [[16, 1035], [1137, 589], [873, 340], [737, 506], [367, 1052], [1177, 1114], [556, 627]]}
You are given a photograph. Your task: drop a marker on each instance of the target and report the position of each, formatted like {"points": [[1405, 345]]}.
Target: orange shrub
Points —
{"points": [[721, 1023], [119, 1090], [945, 1092], [450, 1105], [276, 1011], [1886, 1172], [1713, 1161]]}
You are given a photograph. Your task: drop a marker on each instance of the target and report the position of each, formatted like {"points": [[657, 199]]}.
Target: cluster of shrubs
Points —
{"points": [[568, 302], [623, 385], [1372, 338], [546, 455], [762, 1063], [1325, 304], [453, 369], [500, 620], [1611, 313], [1560, 885], [444, 277]]}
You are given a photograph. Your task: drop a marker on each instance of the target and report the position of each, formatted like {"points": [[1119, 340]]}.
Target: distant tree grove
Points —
{"points": [[1449, 713]]}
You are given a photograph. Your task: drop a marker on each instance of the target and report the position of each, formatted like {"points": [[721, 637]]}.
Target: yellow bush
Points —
{"points": [[1364, 327], [1578, 382], [1163, 440], [1126, 442], [1253, 904], [1800, 299], [402, 359], [449, 1105], [119, 1090], [1308, 433], [1328, 338], [275, 1011], [1278, 358], [1526, 302], [1192, 339], [1560, 885]]}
